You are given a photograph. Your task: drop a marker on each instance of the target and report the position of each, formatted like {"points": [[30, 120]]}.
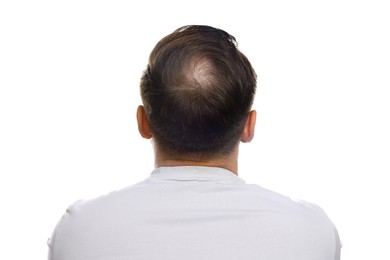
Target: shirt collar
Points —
{"points": [[195, 173]]}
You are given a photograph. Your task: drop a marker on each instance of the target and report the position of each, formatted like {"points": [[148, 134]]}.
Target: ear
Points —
{"points": [[249, 130], [143, 123]]}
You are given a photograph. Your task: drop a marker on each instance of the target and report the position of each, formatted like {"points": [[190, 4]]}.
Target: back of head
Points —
{"points": [[197, 91]]}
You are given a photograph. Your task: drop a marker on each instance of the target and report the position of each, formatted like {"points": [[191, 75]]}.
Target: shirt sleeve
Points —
{"points": [[55, 248], [339, 245]]}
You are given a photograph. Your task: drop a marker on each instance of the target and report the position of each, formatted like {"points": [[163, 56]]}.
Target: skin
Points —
{"points": [[229, 162]]}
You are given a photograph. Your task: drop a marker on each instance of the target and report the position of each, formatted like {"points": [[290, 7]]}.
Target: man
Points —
{"points": [[197, 93]]}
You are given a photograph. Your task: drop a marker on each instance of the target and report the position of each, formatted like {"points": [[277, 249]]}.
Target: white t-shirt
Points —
{"points": [[194, 213]]}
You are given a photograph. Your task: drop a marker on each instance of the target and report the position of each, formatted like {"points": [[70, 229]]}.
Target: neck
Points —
{"points": [[229, 162]]}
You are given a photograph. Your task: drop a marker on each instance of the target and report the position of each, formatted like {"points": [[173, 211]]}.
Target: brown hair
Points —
{"points": [[197, 91]]}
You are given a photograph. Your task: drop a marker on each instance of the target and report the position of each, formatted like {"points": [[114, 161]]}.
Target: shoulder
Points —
{"points": [[293, 212], [90, 220], [281, 202]]}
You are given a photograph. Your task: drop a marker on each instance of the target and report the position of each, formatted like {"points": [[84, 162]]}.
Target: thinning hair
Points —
{"points": [[197, 91]]}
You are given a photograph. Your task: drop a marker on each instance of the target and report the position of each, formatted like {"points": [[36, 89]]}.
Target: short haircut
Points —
{"points": [[197, 91]]}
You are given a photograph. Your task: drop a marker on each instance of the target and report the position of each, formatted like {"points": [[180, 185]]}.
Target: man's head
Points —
{"points": [[197, 91]]}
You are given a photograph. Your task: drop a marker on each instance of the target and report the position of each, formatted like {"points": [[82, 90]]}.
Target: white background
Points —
{"points": [[69, 76]]}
